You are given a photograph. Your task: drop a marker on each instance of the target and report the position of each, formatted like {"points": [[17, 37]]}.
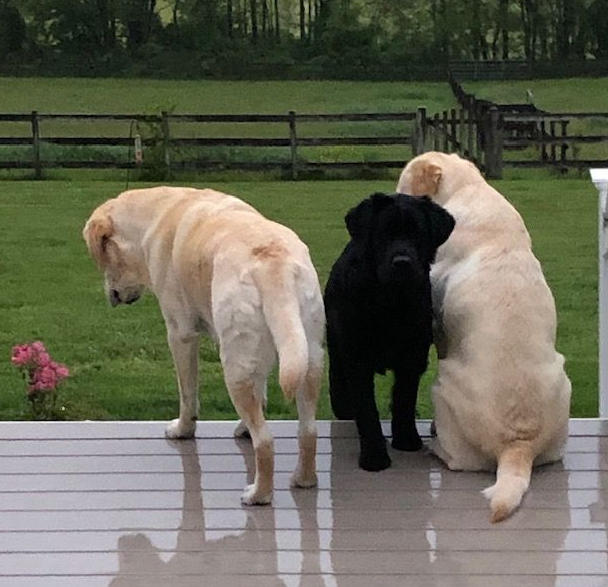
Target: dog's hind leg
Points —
{"points": [[247, 355], [246, 400], [306, 399], [340, 398], [184, 350], [245, 395], [241, 430], [403, 424]]}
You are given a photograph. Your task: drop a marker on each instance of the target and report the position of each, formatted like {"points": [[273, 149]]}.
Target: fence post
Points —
{"points": [[36, 145], [164, 123], [436, 132], [493, 145], [471, 131], [455, 145], [444, 127], [600, 179], [543, 145], [293, 144], [480, 129], [419, 136], [564, 146], [553, 144], [461, 131]]}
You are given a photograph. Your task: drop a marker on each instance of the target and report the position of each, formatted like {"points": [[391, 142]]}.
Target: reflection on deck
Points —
{"points": [[94, 503]]}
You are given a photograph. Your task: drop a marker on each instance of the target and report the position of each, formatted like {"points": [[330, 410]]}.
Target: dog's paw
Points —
{"points": [[299, 479], [408, 442], [177, 429], [251, 496], [241, 430], [374, 457]]}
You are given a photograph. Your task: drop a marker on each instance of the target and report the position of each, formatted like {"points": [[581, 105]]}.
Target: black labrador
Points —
{"points": [[379, 315]]}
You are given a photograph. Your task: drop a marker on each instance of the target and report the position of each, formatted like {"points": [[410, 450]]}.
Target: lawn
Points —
{"points": [[22, 95], [119, 358], [121, 368]]}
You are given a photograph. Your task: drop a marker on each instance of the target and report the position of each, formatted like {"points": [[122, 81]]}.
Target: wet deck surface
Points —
{"points": [[91, 504]]}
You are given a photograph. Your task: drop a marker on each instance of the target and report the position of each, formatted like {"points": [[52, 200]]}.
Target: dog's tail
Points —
{"points": [[512, 480], [282, 312]]}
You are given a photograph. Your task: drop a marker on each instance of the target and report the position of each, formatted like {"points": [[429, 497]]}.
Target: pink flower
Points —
{"points": [[39, 370], [21, 354], [62, 371], [38, 347], [43, 359]]}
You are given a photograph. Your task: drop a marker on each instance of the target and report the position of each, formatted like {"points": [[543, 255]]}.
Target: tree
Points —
{"points": [[12, 29], [598, 19]]}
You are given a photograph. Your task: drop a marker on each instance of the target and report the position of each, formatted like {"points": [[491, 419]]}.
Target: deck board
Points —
{"points": [[114, 503]]}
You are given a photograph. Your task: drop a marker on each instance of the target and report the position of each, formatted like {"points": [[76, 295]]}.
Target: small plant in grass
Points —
{"points": [[42, 376]]}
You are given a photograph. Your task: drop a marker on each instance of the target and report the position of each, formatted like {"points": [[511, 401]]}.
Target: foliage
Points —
{"points": [[318, 38]]}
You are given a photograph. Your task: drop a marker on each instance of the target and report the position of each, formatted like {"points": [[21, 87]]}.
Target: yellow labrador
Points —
{"points": [[501, 396], [217, 266]]}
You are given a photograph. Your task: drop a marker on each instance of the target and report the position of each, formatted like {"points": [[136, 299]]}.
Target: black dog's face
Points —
{"points": [[400, 235]]}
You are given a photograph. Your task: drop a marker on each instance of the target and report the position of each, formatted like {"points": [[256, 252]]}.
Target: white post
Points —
{"points": [[600, 179]]}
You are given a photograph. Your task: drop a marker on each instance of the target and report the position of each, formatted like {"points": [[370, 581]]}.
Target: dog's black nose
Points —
{"points": [[132, 298], [114, 297], [402, 260]]}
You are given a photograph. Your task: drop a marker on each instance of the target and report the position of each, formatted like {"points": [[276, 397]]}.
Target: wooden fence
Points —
{"points": [[167, 140], [491, 135]]}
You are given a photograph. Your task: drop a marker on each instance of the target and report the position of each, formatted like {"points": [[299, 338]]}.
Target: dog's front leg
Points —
{"points": [[185, 356], [373, 455]]}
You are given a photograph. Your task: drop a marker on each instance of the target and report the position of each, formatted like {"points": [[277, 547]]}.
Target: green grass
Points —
{"points": [[215, 97], [121, 368], [22, 95], [563, 95]]}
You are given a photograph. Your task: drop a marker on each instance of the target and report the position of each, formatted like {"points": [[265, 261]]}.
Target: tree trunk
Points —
{"points": [[277, 29], [264, 18], [309, 20], [475, 29], [229, 18], [503, 15], [302, 21], [254, 20], [526, 27]]}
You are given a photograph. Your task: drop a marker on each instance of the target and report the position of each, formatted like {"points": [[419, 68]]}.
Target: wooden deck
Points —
{"points": [[93, 503]]}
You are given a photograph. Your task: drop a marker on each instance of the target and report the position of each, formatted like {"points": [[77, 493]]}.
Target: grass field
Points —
{"points": [[23, 95], [119, 358]]}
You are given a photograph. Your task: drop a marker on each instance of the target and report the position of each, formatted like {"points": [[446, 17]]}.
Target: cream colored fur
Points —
{"points": [[501, 396], [217, 266]]}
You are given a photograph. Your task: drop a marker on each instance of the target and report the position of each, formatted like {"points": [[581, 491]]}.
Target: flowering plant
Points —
{"points": [[42, 376]]}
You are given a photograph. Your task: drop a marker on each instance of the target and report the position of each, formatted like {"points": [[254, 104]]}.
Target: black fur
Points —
{"points": [[379, 315]]}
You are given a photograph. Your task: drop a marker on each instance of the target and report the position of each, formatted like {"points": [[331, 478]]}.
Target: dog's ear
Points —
{"points": [[440, 221], [426, 178], [359, 219], [96, 233]]}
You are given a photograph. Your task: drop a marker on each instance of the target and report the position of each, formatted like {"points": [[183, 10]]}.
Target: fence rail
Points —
{"points": [[489, 134], [167, 140], [497, 131]]}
